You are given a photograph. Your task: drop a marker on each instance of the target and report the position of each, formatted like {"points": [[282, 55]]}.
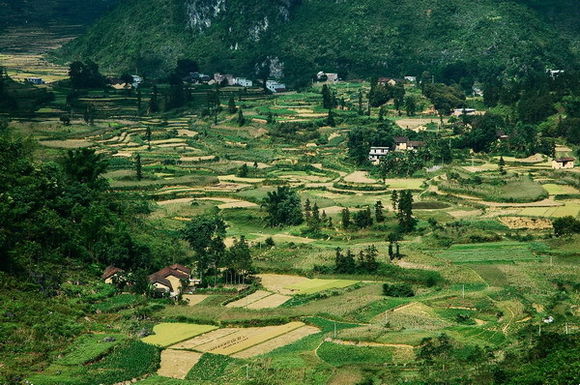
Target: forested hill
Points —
{"points": [[44, 12], [355, 38]]}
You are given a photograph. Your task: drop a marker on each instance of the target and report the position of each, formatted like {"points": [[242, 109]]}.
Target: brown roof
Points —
{"points": [[181, 268], [168, 271], [110, 271], [401, 139], [416, 143], [154, 278], [562, 160]]}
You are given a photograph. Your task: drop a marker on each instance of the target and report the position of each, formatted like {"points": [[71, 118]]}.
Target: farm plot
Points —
{"points": [[292, 285], [167, 334], [414, 315], [260, 300], [526, 223], [498, 252], [559, 189], [177, 363], [194, 299], [251, 341], [570, 208], [405, 183]]}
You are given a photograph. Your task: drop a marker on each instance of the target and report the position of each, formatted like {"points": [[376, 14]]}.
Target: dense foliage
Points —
{"points": [[452, 39]]}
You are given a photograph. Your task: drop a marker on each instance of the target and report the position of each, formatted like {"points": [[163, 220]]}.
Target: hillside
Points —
{"points": [[44, 12], [356, 39]]}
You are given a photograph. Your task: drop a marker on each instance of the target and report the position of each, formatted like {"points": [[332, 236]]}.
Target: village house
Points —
{"points": [[224, 79], [563, 163], [387, 82], [411, 79], [330, 77], [243, 82], [464, 111], [112, 274], [35, 81], [376, 153], [171, 279], [275, 87], [404, 144]]}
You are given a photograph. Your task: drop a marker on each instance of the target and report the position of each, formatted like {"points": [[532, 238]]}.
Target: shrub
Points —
{"points": [[398, 290]]}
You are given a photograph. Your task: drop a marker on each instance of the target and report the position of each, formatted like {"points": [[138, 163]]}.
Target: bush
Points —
{"points": [[399, 290]]}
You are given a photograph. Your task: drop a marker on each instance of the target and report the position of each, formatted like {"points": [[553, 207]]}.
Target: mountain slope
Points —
{"points": [[356, 38], [43, 12]]}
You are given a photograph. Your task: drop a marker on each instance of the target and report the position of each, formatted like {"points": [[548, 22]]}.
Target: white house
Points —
{"points": [[376, 153], [411, 79], [243, 82], [226, 79], [274, 86], [137, 80], [36, 81]]}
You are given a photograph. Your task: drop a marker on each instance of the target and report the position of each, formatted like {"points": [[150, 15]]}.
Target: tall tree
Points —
{"points": [[205, 235], [138, 167], [346, 223], [283, 207], [379, 212], [407, 222], [241, 119]]}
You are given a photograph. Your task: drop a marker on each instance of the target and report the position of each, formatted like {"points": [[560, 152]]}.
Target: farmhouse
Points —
{"points": [[377, 153], [35, 81], [171, 279], [411, 79], [330, 77], [227, 79], [387, 82], [111, 274], [243, 82], [275, 87], [403, 143], [563, 163], [464, 111]]}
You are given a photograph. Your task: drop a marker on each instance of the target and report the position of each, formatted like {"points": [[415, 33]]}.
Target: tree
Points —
{"points": [[244, 171], [344, 263], [444, 97], [363, 218], [85, 75], [501, 164], [395, 200], [360, 103], [205, 235], [346, 223], [379, 212], [148, 136], [138, 167], [84, 166], [239, 257], [185, 67], [410, 105], [241, 119], [566, 226], [154, 100], [232, 109], [407, 222], [328, 98], [284, 207], [330, 119]]}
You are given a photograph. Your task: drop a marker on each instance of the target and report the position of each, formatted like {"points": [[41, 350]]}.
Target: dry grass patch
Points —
{"points": [[269, 302], [526, 223], [194, 299], [278, 342], [231, 341], [249, 299], [415, 315], [177, 363], [359, 177], [69, 143]]}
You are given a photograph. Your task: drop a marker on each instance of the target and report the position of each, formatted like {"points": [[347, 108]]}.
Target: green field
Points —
{"points": [[167, 334], [497, 252]]}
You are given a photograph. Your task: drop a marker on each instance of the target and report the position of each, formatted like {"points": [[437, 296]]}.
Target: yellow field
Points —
{"points": [[405, 184], [230, 341], [315, 285], [277, 342], [177, 363], [556, 189], [249, 299], [167, 334]]}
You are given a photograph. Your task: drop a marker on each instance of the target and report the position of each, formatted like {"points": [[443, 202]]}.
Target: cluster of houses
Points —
{"points": [[230, 80], [120, 84], [170, 280], [401, 143]]}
